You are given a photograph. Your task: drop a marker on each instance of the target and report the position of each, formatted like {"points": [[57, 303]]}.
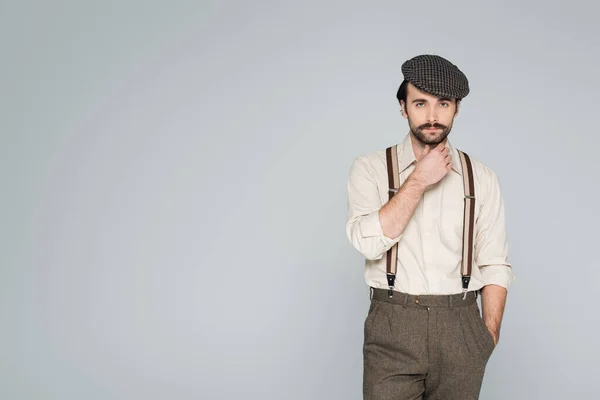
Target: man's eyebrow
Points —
{"points": [[441, 99]]}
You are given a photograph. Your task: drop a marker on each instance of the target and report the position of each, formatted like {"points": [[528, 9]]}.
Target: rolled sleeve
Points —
{"points": [[497, 275], [370, 227], [363, 226], [491, 244]]}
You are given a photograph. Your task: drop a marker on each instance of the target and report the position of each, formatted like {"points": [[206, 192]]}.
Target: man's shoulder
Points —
{"points": [[484, 175], [374, 159], [479, 166]]}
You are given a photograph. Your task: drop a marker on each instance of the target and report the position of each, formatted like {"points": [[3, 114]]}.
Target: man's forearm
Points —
{"points": [[395, 214], [493, 301]]}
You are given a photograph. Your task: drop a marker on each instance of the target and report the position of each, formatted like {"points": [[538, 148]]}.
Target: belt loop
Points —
{"points": [[450, 301], [371, 290], [405, 302]]}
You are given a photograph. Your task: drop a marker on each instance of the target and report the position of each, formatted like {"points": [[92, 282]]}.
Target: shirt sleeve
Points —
{"points": [[491, 244], [363, 227]]}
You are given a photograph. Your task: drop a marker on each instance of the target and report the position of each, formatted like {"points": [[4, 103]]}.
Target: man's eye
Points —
{"points": [[445, 104], [420, 104]]}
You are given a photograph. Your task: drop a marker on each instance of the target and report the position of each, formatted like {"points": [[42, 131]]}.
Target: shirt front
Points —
{"points": [[430, 247]]}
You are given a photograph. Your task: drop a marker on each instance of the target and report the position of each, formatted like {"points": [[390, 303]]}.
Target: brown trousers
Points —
{"points": [[424, 347]]}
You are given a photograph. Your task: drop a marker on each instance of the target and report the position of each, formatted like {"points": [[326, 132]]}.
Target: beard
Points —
{"points": [[427, 138]]}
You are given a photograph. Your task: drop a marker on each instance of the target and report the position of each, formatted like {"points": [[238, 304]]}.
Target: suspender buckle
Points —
{"points": [[465, 285], [391, 278]]}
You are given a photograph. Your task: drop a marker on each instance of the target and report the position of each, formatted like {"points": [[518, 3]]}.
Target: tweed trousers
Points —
{"points": [[431, 347]]}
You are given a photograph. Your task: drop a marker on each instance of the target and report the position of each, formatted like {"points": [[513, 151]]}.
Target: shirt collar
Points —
{"points": [[406, 155]]}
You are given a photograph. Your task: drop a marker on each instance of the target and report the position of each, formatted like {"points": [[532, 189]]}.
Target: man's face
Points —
{"points": [[430, 117]]}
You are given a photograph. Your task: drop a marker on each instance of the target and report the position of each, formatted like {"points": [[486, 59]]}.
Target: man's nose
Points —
{"points": [[431, 116]]}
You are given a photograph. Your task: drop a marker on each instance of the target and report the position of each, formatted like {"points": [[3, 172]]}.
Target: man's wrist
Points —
{"points": [[417, 181]]}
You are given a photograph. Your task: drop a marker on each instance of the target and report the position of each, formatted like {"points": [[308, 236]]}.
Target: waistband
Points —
{"points": [[429, 300]]}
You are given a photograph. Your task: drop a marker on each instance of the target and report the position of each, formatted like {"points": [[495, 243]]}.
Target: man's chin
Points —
{"points": [[432, 141]]}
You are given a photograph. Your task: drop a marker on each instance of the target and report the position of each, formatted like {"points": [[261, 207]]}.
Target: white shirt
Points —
{"points": [[430, 247]]}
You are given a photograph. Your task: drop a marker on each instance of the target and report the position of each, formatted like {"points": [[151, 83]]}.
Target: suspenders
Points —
{"points": [[468, 218], [391, 154]]}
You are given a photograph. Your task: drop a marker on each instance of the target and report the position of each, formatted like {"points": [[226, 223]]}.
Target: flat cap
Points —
{"points": [[436, 75]]}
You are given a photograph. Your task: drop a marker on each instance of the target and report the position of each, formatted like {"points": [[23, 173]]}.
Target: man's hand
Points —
{"points": [[433, 164], [495, 332]]}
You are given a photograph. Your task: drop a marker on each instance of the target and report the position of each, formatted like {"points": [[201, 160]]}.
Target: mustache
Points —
{"points": [[438, 126]]}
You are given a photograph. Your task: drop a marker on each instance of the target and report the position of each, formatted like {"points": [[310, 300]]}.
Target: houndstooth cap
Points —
{"points": [[436, 75]]}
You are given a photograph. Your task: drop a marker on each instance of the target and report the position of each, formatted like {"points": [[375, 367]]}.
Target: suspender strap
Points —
{"points": [[393, 185], [468, 217], [468, 221]]}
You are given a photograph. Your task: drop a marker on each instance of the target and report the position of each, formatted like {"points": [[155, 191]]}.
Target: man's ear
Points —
{"points": [[403, 108], [457, 107]]}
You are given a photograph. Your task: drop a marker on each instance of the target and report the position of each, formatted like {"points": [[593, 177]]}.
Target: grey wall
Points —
{"points": [[173, 190]]}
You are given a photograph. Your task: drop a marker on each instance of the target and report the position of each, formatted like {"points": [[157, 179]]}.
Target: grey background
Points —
{"points": [[173, 190]]}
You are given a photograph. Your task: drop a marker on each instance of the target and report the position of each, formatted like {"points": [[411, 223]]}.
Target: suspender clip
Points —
{"points": [[391, 278], [465, 285]]}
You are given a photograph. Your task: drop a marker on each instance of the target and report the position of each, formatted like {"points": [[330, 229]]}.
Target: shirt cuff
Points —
{"points": [[371, 226], [497, 275]]}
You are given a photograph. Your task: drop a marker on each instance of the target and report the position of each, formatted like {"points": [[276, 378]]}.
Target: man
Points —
{"points": [[424, 335]]}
